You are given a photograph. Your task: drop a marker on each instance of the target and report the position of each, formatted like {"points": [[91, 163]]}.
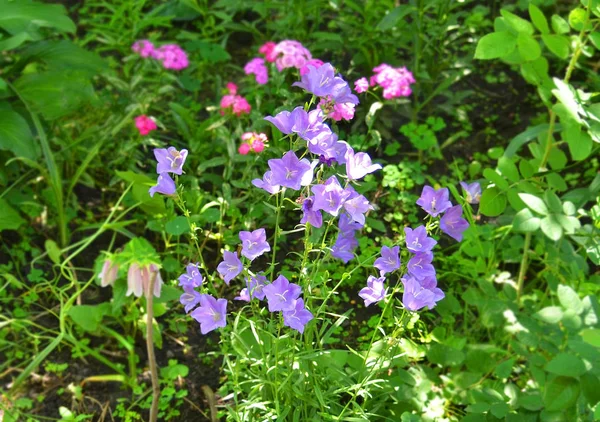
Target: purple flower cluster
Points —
{"points": [[285, 297], [257, 68], [171, 56], [169, 160], [436, 202]]}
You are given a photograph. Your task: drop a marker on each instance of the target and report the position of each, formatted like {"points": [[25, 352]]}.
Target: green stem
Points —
{"points": [[150, 348]]}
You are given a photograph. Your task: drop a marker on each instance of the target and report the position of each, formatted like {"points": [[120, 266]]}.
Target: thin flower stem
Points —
{"points": [[278, 204], [150, 348]]}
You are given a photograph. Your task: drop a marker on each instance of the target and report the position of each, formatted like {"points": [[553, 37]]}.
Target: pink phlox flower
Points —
{"points": [[313, 62], [171, 56], [267, 49], [394, 81], [237, 104], [232, 88], [290, 53], [361, 85], [145, 124], [144, 48], [343, 111], [253, 141], [257, 68]]}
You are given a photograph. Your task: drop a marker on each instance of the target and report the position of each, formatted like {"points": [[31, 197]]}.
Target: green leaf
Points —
{"points": [[508, 169], [590, 385], [522, 26], [591, 336], [569, 299], [534, 203], [492, 202], [580, 142], [559, 25], [577, 18], [9, 217], [53, 250], [177, 226], [551, 227], [567, 365], [495, 45], [19, 16], [561, 393], [529, 47], [14, 41], [538, 18], [15, 135], [393, 17], [88, 317], [65, 55], [565, 94], [526, 169], [495, 178], [557, 44], [550, 314], [525, 221], [595, 39], [445, 355], [504, 369], [553, 202]]}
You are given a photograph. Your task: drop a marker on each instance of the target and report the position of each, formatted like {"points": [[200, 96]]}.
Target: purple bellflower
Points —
{"points": [[347, 225], [306, 125], [420, 267], [389, 261], [344, 246], [254, 244], [255, 286], [434, 202], [375, 290], [309, 214], [267, 184], [290, 172], [473, 191], [189, 298], [170, 160], [164, 185], [329, 196], [453, 224], [244, 295], [192, 278], [357, 206], [211, 314], [230, 267], [359, 165], [417, 294], [297, 317], [417, 240], [281, 294]]}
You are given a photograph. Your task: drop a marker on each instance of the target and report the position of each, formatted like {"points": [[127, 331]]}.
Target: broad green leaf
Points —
{"points": [[577, 18], [177, 226], [557, 158], [18, 16], [553, 202], [590, 386], [64, 55], [13, 42], [9, 217], [525, 221], [557, 44], [15, 135], [534, 203], [393, 17], [493, 202], [538, 18], [561, 393], [567, 365], [529, 48], [504, 369], [569, 224], [495, 178], [445, 355], [526, 169], [512, 195], [536, 72], [550, 314], [591, 336], [551, 227], [508, 169], [559, 25], [495, 45], [566, 96], [522, 26], [89, 317], [580, 143], [569, 299], [595, 39]]}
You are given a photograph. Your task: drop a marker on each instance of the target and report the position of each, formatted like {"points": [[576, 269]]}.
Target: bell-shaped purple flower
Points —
{"points": [[254, 244], [323, 82], [244, 295], [344, 246], [347, 225], [453, 224], [329, 196], [434, 202], [473, 191], [281, 294], [306, 125], [170, 160], [189, 298], [255, 286], [192, 277], [230, 267], [389, 261], [420, 267], [375, 290], [357, 206], [267, 183], [297, 317], [164, 185], [211, 314], [359, 165], [419, 294], [289, 171], [309, 214], [417, 240]]}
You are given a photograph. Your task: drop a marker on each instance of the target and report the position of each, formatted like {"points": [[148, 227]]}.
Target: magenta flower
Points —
{"points": [[375, 290], [290, 172], [473, 191], [453, 224], [313, 62], [361, 85], [421, 294], [236, 104], [171, 56], [297, 317], [108, 275], [211, 314], [266, 183], [417, 240], [254, 244], [359, 165], [389, 261], [309, 214], [434, 202], [290, 53], [281, 294], [230, 267], [394, 81], [257, 68], [420, 267], [342, 111], [144, 124], [170, 160], [267, 49], [329, 196], [164, 185], [189, 298], [138, 280], [143, 47], [192, 278]]}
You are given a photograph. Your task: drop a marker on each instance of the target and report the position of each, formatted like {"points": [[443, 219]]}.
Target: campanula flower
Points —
{"points": [[143, 47], [144, 124], [418, 295], [356, 206], [189, 298], [389, 261], [230, 267], [211, 314], [171, 56], [267, 49], [281, 294], [417, 240], [347, 225], [164, 185], [453, 224], [266, 183], [323, 82], [291, 172], [255, 286], [138, 280], [324, 145], [329, 196], [244, 295], [306, 125], [344, 247], [473, 191], [192, 277], [434, 202], [170, 160], [359, 165], [108, 275], [297, 317], [309, 214], [257, 68], [420, 267], [361, 85], [375, 290], [254, 244]]}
